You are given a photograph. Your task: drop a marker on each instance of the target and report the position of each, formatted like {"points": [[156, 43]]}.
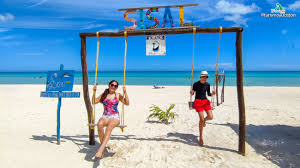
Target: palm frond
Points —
{"points": [[162, 115]]}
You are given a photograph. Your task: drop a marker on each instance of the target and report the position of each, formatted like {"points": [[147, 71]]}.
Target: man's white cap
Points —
{"points": [[204, 73]]}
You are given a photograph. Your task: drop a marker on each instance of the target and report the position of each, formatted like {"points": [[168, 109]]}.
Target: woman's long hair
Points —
{"points": [[106, 91]]}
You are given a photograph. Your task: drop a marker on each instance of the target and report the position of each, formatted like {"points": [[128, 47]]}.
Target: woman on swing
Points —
{"points": [[110, 118]]}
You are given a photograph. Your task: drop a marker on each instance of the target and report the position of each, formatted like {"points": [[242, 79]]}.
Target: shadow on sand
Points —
{"points": [[188, 139], [82, 142], [278, 143]]}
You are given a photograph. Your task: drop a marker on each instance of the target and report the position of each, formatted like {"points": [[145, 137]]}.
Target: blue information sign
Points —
{"points": [[60, 80], [57, 82]]}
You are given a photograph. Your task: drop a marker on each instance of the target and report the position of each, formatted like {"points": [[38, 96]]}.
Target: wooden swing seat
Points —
{"points": [[94, 125]]}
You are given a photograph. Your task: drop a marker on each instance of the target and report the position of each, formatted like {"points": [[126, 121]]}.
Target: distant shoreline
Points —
{"points": [[166, 78], [131, 85], [150, 71]]}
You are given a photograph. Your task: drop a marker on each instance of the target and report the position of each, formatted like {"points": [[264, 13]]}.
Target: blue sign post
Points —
{"points": [[57, 82]]}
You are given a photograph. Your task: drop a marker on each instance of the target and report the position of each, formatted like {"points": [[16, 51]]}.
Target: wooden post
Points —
{"points": [[240, 93], [85, 84]]}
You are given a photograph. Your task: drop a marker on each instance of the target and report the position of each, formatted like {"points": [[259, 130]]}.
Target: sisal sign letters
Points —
{"points": [[156, 23]]}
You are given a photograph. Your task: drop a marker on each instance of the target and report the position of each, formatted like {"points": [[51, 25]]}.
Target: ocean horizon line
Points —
{"points": [[251, 78], [45, 71]]}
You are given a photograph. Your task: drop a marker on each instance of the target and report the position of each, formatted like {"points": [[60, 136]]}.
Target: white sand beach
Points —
{"points": [[28, 130]]}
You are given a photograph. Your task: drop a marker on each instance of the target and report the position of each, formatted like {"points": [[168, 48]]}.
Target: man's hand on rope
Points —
{"points": [[213, 93], [192, 92]]}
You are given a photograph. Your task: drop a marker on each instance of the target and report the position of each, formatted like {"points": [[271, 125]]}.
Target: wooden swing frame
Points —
{"points": [[169, 31]]}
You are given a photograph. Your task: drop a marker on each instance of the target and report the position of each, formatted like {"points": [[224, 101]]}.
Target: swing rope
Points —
{"points": [[92, 122], [192, 75], [216, 71], [123, 101]]}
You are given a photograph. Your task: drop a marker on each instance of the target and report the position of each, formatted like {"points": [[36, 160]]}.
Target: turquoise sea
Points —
{"points": [[180, 78]]}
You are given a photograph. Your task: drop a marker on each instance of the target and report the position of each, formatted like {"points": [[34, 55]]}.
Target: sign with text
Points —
{"points": [[61, 94], [148, 14], [156, 45], [57, 82], [60, 80]]}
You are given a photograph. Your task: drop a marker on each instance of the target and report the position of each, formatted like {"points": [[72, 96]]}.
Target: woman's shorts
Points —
{"points": [[116, 116], [202, 104]]}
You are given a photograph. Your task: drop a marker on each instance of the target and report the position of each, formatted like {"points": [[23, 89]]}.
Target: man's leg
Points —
{"points": [[209, 116], [201, 125]]}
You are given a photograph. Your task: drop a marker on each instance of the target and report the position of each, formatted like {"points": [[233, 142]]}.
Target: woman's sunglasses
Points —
{"points": [[112, 85]]}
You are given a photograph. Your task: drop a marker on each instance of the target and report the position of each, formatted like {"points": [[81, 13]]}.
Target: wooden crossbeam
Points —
{"points": [[164, 31]]}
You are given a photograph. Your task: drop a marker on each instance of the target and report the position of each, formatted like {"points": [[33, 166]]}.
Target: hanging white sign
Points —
{"points": [[156, 45]]}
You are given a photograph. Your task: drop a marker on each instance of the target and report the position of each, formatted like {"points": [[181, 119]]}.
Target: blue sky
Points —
{"points": [[38, 35]]}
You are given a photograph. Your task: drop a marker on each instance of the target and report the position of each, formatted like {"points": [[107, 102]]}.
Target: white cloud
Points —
{"points": [[33, 54], [234, 11], [224, 65], [295, 5], [237, 19], [272, 2], [9, 41], [109, 30], [38, 3], [103, 9], [91, 26], [284, 31], [78, 14], [209, 18], [95, 9], [6, 17], [41, 22], [236, 8], [2, 30], [277, 67], [2, 38]]}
